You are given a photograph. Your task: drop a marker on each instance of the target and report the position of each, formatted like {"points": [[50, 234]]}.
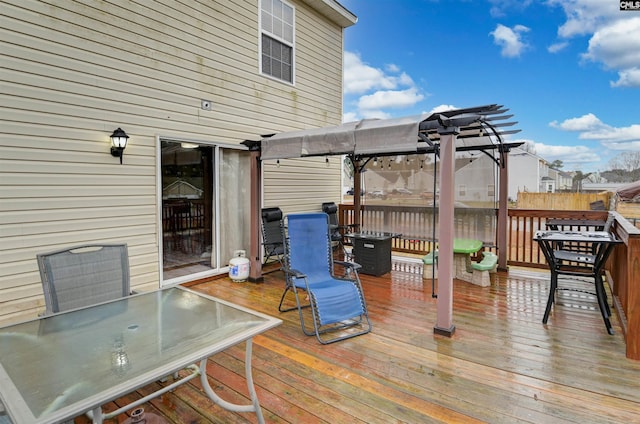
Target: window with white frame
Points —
{"points": [[276, 30]]}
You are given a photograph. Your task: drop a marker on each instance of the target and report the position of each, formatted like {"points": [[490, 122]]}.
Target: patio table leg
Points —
{"points": [[255, 405], [462, 267], [96, 415]]}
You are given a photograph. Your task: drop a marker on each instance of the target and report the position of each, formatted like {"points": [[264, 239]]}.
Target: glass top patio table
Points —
{"points": [[63, 365]]}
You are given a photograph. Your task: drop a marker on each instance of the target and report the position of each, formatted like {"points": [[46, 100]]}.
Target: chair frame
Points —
{"points": [[272, 235], [82, 255], [336, 231], [351, 276], [580, 265]]}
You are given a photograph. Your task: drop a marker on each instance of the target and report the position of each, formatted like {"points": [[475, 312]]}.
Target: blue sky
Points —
{"points": [[569, 70]]}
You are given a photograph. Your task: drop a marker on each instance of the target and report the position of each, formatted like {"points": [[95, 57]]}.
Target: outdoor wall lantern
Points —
{"points": [[119, 140]]}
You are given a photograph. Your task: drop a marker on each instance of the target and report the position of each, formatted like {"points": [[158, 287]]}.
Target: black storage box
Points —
{"points": [[373, 253]]}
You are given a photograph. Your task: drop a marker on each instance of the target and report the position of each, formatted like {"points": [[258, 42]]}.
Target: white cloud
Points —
{"points": [[376, 89], [567, 154], [510, 39], [572, 157], [557, 47], [359, 77], [390, 99], [590, 127], [584, 123], [350, 117], [392, 68], [500, 7], [584, 17], [613, 46], [442, 108], [375, 114], [628, 78], [614, 39]]}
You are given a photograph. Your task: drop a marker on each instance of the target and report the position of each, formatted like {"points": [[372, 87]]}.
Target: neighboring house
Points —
{"points": [[476, 177], [476, 181], [563, 180], [524, 172], [547, 185], [188, 82], [530, 173]]}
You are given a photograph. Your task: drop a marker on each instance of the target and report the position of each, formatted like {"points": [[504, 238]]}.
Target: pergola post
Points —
{"points": [[503, 212], [255, 264], [357, 196], [444, 315]]}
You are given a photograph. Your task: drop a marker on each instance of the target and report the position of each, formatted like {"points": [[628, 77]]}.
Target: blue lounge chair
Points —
{"points": [[337, 304]]}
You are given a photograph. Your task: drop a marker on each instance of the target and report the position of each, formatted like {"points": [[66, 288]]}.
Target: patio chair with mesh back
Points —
{"points": [[272, 234], [84, 275], [337, 304], [336, 230]]}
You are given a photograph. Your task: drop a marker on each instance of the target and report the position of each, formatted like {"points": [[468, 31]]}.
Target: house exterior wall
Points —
{"points": [[72, 72], [564, 181], [479, 179], [524, 172]]}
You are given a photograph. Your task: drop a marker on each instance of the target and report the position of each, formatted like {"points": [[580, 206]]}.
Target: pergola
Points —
{"points": [[471, 129]]}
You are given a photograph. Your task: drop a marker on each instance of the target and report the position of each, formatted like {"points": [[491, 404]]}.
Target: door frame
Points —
{"points": [[216, 203]]}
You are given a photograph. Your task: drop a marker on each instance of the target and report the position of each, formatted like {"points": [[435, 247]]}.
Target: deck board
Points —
{"points": [[502, 365]]}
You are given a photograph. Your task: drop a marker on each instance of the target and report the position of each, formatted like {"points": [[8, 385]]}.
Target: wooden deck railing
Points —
{"points": [[419, 231]]}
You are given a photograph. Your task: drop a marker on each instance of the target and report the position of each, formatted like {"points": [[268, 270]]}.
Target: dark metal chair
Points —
{"points": [[578, 265], [336, 230], [272, 234]]}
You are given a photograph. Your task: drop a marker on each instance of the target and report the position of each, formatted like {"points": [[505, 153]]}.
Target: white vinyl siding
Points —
{"points": [[302, 185], [72, 72]]}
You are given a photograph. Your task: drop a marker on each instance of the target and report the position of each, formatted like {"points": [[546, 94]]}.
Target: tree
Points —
{"points": [[627, 161], [556, 164], [577, 180]]}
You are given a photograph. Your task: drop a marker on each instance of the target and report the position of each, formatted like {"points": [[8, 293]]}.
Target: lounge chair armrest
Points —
{"points": [[352, 265], [295, 273]]}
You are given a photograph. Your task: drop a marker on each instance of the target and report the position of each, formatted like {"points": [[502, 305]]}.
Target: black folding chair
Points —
{"points": [[272, 235], [336, 230]]}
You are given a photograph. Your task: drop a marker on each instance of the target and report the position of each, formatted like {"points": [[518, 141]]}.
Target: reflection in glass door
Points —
{"points": [[187, 209]]}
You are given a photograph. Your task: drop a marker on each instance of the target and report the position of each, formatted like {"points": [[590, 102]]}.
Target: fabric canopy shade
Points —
{"points": [[476, 130], [366, 137]]}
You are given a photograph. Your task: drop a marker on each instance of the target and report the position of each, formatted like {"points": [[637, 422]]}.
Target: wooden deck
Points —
{"points": [[501, 366]]}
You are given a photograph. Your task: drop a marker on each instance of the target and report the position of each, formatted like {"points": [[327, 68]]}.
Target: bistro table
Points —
{"points": [[578, 254], [463, 248], [63, 365]]}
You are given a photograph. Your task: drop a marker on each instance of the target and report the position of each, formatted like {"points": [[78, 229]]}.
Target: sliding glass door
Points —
{"points": [[205, 219]]}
